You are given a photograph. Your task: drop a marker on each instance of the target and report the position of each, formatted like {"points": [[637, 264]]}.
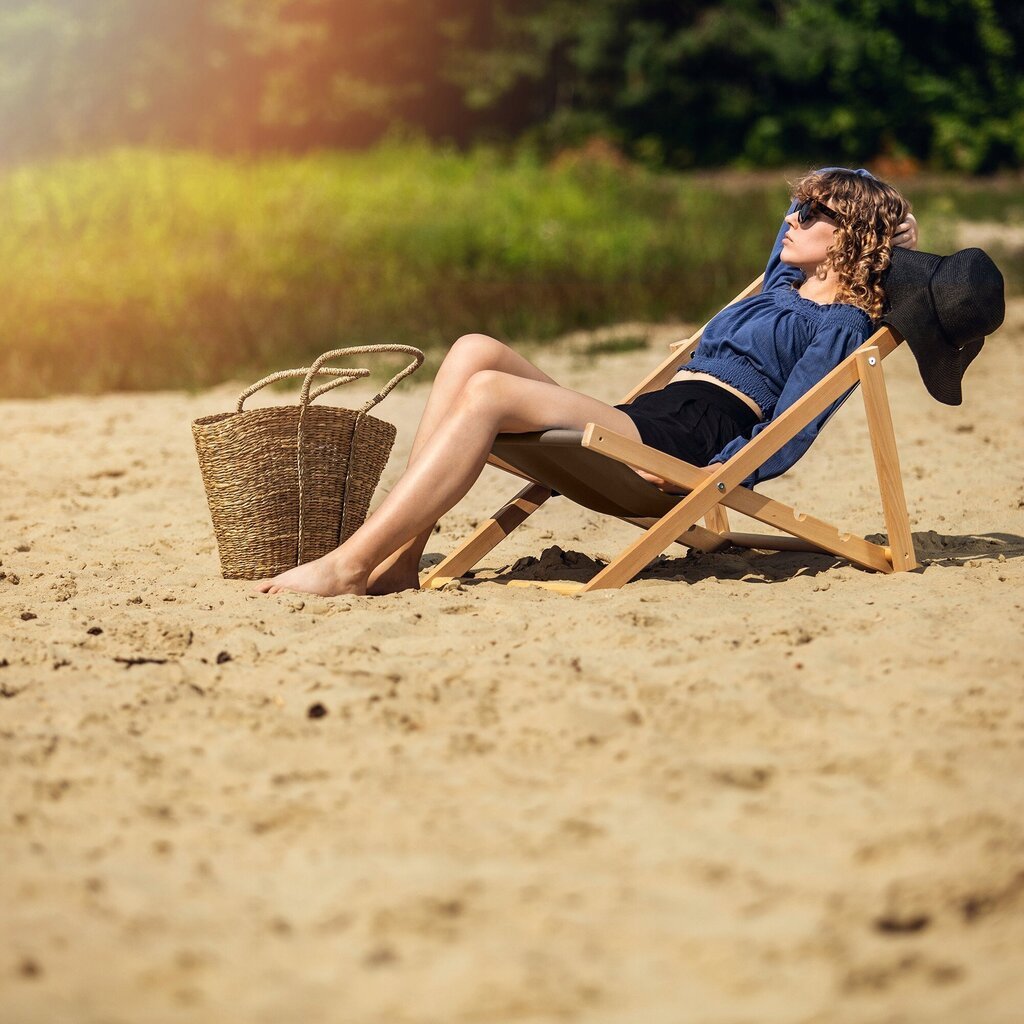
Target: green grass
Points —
{"points": [[142, 269]]}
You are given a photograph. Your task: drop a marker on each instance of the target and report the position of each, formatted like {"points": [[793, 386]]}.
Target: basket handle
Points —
{"points": [[317, 367], [343, 377], [305, 398]]}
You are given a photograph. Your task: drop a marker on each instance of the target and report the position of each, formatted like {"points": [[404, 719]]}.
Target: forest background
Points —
{"points": [[198, 188]]}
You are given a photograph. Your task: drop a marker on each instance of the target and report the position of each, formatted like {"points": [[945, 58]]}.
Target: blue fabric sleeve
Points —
{"points": [[828, 348]]}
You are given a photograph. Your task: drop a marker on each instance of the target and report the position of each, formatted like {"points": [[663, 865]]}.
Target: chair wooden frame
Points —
{"points": [[715, 489]]}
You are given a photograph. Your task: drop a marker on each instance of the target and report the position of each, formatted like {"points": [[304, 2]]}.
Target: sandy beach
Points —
{"points": [[747, 787]]}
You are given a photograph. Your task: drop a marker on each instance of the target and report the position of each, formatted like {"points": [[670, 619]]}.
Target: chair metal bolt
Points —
{"points": [[872, 360], [721, 486]]}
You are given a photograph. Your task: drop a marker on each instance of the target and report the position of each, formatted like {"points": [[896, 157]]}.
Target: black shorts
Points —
{"points": [[692, 420]]}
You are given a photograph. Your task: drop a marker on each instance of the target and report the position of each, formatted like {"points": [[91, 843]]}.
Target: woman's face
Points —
{"points": [[806, 245]]}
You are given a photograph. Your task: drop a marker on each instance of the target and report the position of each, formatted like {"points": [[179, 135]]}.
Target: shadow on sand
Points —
{"points": [[743, 564]]}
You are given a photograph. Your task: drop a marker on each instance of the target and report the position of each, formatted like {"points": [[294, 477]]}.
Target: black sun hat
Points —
{"points": [[944, 306]]}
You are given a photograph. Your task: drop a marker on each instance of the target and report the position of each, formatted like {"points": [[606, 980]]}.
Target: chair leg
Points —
{"points": [[887, 462], [488, 535], [672, 525], [717, 519], [766, 510]]}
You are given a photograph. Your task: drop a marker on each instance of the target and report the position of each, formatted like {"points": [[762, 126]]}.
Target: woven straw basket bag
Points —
{"points": [[287, 484]]}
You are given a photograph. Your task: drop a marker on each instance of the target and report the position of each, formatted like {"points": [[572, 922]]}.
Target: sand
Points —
{"points": [[747, 787]]}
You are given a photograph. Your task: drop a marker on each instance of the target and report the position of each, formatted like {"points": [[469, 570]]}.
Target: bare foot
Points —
{"points": [[325, 576], [393, 575]]}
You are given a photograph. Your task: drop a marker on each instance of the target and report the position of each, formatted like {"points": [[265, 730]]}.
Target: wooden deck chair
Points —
{"points": [[591, 467]]}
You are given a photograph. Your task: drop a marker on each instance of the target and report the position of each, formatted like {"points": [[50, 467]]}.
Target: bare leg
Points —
{"points": [[448, 464], [470, 354]]}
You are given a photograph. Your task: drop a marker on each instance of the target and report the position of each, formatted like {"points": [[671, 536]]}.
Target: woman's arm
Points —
{"points": [[776, 272]]}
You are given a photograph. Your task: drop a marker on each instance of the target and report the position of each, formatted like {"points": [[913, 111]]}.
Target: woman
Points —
{"points": [[821, 293]]}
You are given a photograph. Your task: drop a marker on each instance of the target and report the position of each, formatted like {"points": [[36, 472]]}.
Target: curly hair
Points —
{"points": [[869, 213]]}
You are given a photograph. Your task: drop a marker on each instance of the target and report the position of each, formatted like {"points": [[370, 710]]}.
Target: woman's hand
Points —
{"points": [[659, 482], [906, 233]]}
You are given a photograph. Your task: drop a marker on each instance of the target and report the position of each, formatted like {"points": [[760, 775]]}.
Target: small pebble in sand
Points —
{"points": [[894, 924], [27, 616], [29, 968], [222, 657], [382, 956], [94, 631], [316, 711]]}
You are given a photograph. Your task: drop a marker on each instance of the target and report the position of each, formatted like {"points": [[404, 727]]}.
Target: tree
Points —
{"points": [[684, 83]]}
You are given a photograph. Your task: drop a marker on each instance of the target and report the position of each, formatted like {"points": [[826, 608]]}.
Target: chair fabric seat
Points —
{"points": [[557, 459]]}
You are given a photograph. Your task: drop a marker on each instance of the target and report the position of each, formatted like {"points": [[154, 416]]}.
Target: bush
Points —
{"points": [[143, 269]]}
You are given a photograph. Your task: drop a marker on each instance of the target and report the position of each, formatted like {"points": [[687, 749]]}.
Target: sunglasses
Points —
{"points": [[809, 209]]}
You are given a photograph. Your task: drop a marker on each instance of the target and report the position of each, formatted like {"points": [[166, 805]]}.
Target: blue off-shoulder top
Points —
{"points": [[774, 347]]}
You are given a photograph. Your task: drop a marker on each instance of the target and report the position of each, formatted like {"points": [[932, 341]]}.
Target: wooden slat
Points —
{"points": [[567, 587], [695, 537], [435, 582], [774, 542], [887, 460], [780, 542], [717, 519], [493, 460], [488, 535]]}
